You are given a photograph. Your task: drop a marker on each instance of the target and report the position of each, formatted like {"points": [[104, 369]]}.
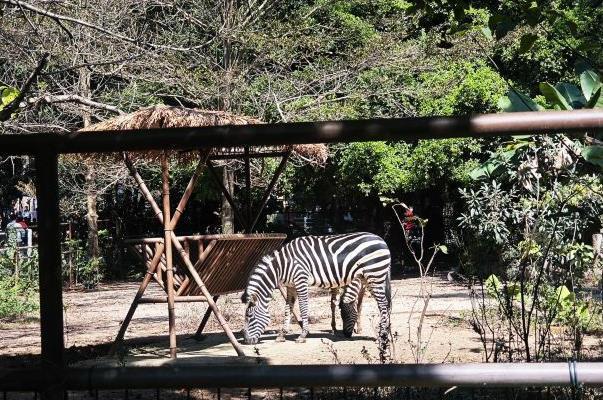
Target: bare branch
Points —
{"points": [[73, 98], [93, 64], [58, 18], [11, 107]]}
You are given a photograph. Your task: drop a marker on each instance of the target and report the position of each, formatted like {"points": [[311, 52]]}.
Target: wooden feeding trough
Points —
{"points": [[207, 266]]}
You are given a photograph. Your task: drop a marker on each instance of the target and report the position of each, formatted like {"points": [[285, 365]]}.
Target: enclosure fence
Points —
{"points": [[52, 378]]}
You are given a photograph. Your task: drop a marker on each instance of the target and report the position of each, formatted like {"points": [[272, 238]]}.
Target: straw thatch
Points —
{"points": [[162, 116]]}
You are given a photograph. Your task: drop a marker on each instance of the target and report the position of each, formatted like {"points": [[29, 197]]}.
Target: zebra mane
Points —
{"points": [[267, 259]]}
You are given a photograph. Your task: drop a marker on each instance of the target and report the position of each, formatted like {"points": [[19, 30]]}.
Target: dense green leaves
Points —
{"points": [[590, 81], [593, 154], [7, 95], [554, 97], [515, 101], [527, 41]]}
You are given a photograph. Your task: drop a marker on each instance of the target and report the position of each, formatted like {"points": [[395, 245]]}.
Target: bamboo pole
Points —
{"points": [[198, 334], [202, 257], [168, 252], [159, 249], [205, 292], [269, 189], [141, 289]]}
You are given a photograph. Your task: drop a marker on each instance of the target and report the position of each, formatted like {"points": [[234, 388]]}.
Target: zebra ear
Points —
{"points": [[244, 298]]}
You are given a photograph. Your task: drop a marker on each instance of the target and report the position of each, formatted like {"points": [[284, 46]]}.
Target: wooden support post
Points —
{"points": [[155, 265], [168, 252], [205, 292], [202, 257], [269, 189], [70, 254], [198, 334], [50, 278]]}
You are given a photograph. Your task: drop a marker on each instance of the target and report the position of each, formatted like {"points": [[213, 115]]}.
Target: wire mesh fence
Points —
{"points": [[328, 393]]}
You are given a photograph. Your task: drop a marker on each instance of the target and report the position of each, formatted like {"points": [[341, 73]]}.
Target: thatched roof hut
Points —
{"points": [[161, 116]]}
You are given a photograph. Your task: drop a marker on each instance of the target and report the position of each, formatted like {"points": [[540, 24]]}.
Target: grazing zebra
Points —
{"points": [[334, 261]]}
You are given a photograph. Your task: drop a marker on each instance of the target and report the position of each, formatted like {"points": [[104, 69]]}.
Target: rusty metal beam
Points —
{"points": [[50, 279], [577, 121], [177, 376]]}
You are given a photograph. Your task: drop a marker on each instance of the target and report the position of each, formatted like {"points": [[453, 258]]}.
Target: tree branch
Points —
{"points": [[58, 18], [11, 107], [73, 98]]}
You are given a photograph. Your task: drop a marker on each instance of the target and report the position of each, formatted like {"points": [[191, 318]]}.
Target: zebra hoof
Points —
{"points": [[300, 340], [280, 338]]}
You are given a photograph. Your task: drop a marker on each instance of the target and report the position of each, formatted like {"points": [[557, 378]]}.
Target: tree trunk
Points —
{"points": [[227, 211], [91, 214], [91, 209]]}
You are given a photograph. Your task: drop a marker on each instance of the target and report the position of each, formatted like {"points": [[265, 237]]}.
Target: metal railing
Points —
{"points": [[53, 379]]}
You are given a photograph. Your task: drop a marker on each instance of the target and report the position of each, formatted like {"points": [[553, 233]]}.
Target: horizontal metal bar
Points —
{"points": [[252, 155], [177, 299], [177, 375], [306, 132]]}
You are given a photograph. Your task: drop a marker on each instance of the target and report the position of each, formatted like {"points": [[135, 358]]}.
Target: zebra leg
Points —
{"points": [[379, 293], [302, 295], [334, 293], [360, 297], [289, 302]]}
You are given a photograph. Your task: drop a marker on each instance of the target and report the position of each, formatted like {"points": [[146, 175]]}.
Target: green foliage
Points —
{"points": [[18, 282], [7, 95], [460, 88], [17, 299], [569, 310], [88, 271], [562, 96], [559, 302], [371, 167], [437, 162]]}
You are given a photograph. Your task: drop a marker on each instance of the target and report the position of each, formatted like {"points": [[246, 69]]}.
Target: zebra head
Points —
{"points": [[256, 297]]}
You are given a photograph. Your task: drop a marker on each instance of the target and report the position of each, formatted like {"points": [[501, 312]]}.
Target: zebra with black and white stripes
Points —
{"points": [[350, 260]]}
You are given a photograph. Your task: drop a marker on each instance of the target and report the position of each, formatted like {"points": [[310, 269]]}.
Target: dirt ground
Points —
{"points": [[92, 319]]}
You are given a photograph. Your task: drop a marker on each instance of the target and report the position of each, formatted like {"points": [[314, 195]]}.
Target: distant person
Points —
{"points": [[23, 230], [14, 230], [26, 214]]}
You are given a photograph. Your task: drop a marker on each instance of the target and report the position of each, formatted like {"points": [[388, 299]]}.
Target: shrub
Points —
{"points": [[16, 298]]}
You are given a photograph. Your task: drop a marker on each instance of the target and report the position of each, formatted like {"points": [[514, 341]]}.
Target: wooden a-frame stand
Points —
{"points": [[234, 251]]}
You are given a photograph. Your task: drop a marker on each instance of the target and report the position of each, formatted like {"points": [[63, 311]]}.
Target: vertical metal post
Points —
{"points": [[50, 279], [248, 188]]}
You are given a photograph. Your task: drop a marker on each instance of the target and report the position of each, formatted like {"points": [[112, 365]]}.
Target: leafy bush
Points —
{"points": [[17, 299], [88, 271]]}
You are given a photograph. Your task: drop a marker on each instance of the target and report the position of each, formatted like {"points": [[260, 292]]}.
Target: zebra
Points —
{"points": [[333, 261]]}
